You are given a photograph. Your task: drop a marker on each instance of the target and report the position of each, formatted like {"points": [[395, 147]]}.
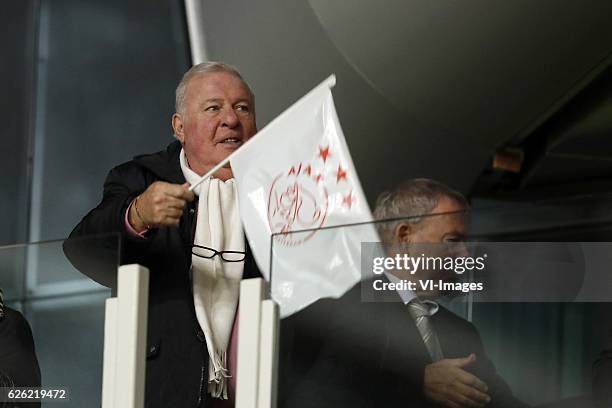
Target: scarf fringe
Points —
{"points": [[218, 375]]}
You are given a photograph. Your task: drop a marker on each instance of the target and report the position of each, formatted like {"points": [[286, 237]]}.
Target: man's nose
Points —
{"points": [[230, 118]]}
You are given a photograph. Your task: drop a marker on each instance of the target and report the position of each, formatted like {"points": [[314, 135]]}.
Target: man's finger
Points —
{"points": [[173, 202], [462, 362], [465, 402], [473, 381], [178, 191], [173, 212], [168, 216], [174, 190], [187, 195], [173, 221], [450, 404], [471, 397], [163, 205]]}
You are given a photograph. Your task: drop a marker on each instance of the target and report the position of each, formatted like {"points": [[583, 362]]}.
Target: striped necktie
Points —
{"points": [[420, 313]]}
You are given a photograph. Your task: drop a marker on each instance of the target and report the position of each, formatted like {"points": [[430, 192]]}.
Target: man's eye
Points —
{"points": [[212, 108], [242, 108]]}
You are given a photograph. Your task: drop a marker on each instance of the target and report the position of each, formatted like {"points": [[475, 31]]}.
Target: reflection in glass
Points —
{"points": [[64, 308]]}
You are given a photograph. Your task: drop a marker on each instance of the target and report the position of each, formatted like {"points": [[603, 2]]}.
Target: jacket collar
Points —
{"points": [[165, 164]]}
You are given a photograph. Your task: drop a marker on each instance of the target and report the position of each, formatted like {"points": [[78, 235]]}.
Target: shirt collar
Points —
{"points": [[405, 294]]}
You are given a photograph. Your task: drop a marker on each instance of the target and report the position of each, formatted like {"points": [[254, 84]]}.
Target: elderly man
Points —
{"points": [[396, 350], [194, 246]]}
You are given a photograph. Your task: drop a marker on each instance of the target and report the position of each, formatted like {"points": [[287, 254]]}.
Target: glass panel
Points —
{"points": [[16, 74], [64, 309], [555, 342], [12, 272], [362, 345], [69, 337]]}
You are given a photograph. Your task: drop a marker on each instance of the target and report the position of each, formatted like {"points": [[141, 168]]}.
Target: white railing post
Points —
{"points": [[268, 354], [252, 292], [257, 346], [125, 340], [125, 333], [110, 353]]}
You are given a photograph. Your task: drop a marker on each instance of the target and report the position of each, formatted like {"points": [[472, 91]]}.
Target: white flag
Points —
{"points": [[297, 175]]}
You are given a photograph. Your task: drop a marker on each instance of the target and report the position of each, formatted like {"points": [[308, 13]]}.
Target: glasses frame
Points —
{"points": [[220, 253]]}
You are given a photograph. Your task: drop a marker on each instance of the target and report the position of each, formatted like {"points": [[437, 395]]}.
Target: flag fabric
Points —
{"points": [[299, 195]]}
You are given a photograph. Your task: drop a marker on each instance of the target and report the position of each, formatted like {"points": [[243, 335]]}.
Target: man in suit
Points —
{"points": [[351, 352], [182, 239], [18, 362]]}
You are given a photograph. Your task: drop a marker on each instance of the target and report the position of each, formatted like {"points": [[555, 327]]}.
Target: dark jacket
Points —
{"points": [[602, 376], [18, 362], [177, 358], [355, 353]]}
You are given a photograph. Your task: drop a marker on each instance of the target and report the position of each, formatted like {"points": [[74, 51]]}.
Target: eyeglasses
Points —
{"points": [[209, 253]]}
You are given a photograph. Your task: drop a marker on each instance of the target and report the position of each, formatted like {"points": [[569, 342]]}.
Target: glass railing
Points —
{"points": [[526, 289], [49, 286]]}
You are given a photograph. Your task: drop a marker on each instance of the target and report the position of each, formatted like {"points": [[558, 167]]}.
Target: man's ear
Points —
{"points": [[177, 125], [402, 233]]}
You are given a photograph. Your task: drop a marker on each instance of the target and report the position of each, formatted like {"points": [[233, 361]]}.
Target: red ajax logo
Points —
{"points": [[298, 199]]}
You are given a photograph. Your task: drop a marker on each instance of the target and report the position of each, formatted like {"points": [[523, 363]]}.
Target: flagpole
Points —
{"points": [[212, 171], [329, 82]]}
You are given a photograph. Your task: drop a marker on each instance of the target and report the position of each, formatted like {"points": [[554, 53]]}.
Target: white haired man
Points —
{"points": [[191, 244]]}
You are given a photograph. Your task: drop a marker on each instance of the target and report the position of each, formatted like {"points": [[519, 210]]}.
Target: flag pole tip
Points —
{"points": [[331, 81]]}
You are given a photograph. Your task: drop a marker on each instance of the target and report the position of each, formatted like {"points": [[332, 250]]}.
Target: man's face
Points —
{"points": [[437, 229], [434, 236], [218, 118]]}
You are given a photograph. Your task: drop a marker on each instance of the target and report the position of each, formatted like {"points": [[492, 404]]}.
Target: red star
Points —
{"points": [[340, 174], [348, 200], [317, 178], [323, 153]]}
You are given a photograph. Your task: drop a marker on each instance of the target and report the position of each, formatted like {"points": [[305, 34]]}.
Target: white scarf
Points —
{"points": [[216, 284]]}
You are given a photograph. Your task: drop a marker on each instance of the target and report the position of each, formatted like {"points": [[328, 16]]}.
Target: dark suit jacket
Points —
{"points": [[177, 358], [602, 376], [18, 362], [350, 353]]}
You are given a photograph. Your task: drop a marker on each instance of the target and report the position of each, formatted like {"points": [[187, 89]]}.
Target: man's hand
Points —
{"points": [[160, 205], [449, 385]]}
